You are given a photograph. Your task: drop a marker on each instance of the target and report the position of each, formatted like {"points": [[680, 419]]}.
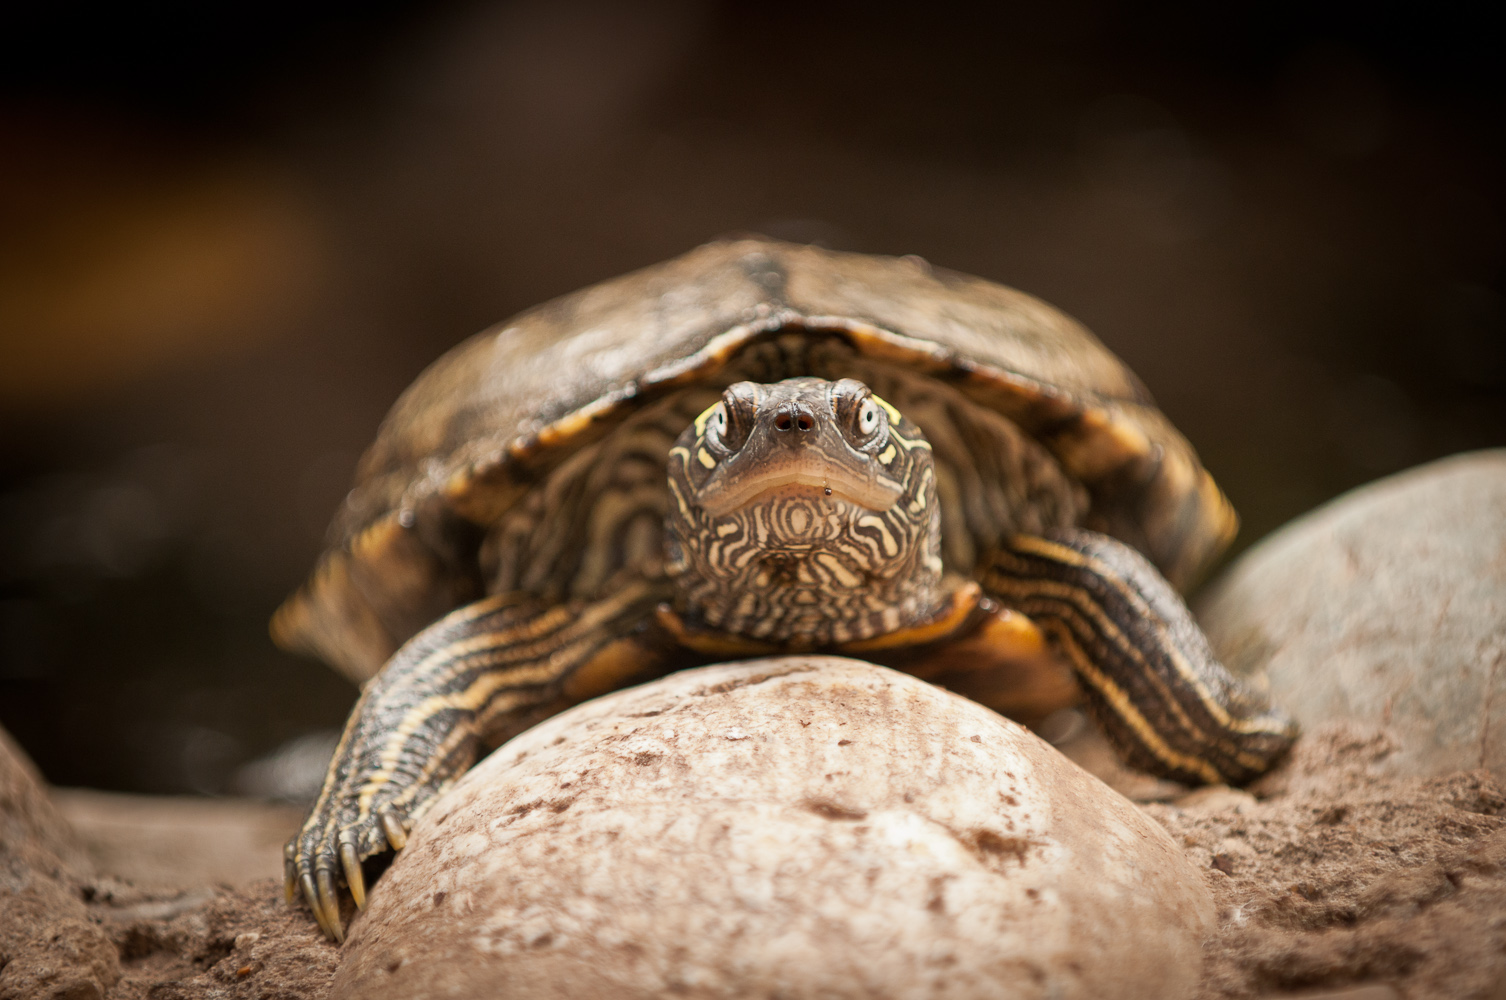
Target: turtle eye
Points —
{"points": [[868, 424], [727, 426], [716, 427], [859, 414]]}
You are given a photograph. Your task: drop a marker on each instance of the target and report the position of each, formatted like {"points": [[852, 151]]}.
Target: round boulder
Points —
{"points": [[793, 827], [1386, 606]]}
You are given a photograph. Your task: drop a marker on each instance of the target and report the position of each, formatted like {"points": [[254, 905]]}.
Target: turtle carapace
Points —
{"points": [[760, 448]]}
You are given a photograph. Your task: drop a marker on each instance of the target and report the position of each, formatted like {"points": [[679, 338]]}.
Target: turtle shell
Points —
{"points": [[495, 415]]}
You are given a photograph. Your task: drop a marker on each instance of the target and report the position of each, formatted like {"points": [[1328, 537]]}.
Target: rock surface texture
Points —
{"points": [[798, 827], [1386, 606]]}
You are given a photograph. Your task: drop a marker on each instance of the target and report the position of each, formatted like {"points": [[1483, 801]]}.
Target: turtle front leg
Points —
{"points": [[1152, 681], [423, 721]]}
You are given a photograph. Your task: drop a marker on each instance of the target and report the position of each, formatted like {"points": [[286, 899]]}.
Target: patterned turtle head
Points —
{"points": [[804, 513]]}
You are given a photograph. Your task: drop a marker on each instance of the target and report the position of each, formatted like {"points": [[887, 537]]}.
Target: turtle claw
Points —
{"points": [[290, 875], [311, 896], [327, 853], [329, 905], [354, 879], [392, 761], [393, 828]]}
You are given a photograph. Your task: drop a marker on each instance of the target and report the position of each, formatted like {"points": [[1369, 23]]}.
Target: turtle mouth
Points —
{"points": [[723, 494]]}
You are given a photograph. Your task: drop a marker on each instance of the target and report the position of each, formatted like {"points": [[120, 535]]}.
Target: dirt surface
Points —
{"points": [[1327, 878], [219, 943], [1337, 878]]}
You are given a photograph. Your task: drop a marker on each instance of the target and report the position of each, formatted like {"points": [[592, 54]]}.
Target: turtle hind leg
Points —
{"points": [[1152, 681], [423, 721]]}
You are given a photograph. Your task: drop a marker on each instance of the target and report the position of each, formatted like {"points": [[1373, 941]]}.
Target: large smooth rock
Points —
{"points": [[1386, 606], [796, 827]]}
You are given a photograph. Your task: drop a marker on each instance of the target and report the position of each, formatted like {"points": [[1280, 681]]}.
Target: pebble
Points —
{"points": [[1215, 798]]}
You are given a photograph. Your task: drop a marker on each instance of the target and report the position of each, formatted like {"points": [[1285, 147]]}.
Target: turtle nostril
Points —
{"points": [[795, 417]]}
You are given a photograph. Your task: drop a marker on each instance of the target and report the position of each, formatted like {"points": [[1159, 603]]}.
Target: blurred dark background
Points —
{"points": [[231, 233]]}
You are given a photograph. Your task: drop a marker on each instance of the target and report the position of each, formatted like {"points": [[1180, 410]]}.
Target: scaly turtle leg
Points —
{"points": [[423, 721], [1151, 679]]}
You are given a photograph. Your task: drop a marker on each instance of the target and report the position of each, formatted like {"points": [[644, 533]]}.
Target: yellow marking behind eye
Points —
{"points": [[894, 415], [704, 457], [908, 444], [700, 421], [887, 455]]}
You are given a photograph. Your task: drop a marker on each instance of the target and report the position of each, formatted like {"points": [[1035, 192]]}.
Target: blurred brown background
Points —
{"points": [[230, 234]]}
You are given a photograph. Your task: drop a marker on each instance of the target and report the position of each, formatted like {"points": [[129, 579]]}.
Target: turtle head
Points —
{"points": [[803, 512]]}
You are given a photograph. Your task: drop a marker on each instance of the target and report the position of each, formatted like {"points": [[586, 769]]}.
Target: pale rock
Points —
{"points": [[864, 835], [1386, 606]]}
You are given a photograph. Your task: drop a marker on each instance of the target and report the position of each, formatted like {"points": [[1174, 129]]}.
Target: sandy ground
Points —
{"points": [[1336, 878], [1330, 881]]}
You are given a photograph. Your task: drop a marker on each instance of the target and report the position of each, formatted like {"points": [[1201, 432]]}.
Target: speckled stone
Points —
{"points": [[1386, 606], [794, 827]]}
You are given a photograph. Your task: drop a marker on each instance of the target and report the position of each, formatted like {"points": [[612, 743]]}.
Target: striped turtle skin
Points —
{"points": [[761, 447]]}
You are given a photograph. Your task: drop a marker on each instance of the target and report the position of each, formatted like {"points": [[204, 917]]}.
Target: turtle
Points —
{"points": [[758, 448]]}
